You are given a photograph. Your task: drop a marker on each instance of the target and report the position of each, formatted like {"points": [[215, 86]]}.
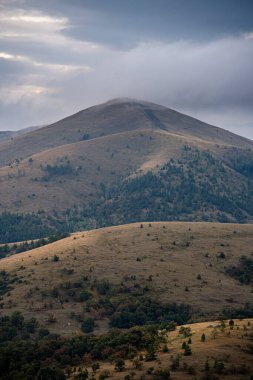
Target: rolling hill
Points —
{"points": [[227, 356], [104, 303], [103, 273], [124, 161]]}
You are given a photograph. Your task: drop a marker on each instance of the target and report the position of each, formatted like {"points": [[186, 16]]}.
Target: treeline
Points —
{"points": [[8, 249], [7, 282], [125, 306], [57, 170], [146, 311], [243, 312], [243, 272], [196, 187], [240, 160], [28, 352], [20, 227]]}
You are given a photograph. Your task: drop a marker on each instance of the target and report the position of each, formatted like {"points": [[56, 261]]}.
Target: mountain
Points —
{"points": [[7, 135], [109, 299], [116, 117], [124, 161]]}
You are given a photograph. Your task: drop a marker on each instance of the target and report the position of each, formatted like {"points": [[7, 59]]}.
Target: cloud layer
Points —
{"points": [[48, 71]]}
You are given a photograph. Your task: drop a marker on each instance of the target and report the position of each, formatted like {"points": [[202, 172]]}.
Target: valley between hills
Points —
{"points": [[126, 248]]}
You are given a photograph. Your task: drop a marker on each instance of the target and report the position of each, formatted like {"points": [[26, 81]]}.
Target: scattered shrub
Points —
{"points": [[88, 325]]}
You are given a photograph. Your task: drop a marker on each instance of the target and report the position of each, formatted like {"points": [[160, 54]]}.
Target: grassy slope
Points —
{"points": [[107, 160], [96, 121], [111, 254], [102, 160], [127, 138], [229, 346], [7, 135], [111, 118]]}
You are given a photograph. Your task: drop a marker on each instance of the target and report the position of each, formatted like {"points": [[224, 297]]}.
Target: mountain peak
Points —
{"points": [[131, 101], [122, 100], [117, 116]]}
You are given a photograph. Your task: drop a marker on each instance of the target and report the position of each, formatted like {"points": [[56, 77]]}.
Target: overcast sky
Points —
{"points": [[60, 56]]}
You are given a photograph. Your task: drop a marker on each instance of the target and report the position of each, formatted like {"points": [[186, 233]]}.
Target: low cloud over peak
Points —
{"points": [[55, 60]]}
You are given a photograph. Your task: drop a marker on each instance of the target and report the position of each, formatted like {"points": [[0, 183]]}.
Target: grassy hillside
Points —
{"points": [[39, 182], [121, 162], [113, 117], [132, 270], [214, 350], [223, 353], [111, 181], [8, 135], [103, 303]]}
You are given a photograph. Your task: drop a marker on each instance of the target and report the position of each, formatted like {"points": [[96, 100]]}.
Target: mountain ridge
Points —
{"points": [[7, 135], [126, 161], [115, 116]]}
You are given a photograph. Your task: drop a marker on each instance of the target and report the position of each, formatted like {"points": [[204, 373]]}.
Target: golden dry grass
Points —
{"points": [[170, 255], [116, 116], [229, 346], [101, 160], [126, 140]]}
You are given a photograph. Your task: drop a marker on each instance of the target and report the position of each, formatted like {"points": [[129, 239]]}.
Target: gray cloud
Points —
{"points": [[124, 24], [54, 63]]}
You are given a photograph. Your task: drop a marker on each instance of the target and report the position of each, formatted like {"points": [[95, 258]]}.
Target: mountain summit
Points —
{"points": [[124, 161], [119, 115]]}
